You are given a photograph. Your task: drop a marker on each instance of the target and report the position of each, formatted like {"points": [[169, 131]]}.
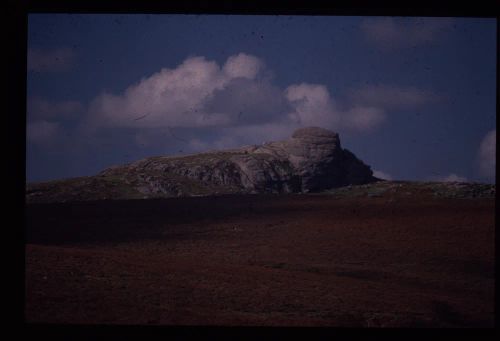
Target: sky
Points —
{"points": [[414, 98]]}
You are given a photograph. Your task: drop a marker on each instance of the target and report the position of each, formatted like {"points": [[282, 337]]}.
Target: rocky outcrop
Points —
{"points": [[311, 160]]}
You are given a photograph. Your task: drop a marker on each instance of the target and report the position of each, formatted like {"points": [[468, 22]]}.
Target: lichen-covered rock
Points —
{"points": [[311, 160]]}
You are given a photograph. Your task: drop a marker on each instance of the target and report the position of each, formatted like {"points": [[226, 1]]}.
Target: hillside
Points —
{"points": [[368, 256]]}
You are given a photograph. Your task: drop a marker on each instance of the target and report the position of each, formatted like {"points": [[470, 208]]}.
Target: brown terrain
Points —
{"points": [[404, 258]]}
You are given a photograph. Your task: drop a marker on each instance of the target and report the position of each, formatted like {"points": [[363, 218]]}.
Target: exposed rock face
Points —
{"points": [[311, 160]]}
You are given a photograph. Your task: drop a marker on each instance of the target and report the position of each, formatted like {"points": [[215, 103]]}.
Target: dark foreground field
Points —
{"points": [[295, 260]]}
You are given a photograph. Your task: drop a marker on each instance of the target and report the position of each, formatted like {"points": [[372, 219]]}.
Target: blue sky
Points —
{"points": [[412, 97]]}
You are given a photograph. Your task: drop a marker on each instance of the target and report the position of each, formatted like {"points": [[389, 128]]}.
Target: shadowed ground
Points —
{"points": [[308, 260]]}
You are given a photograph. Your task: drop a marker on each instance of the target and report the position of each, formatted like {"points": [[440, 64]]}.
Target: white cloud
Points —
{"points": [[180, 97], [239, 95], [39, 108], [390, 33], [198, 93], [487, 155], [41, 132], [246, 101], [312, 105], [381, 175], [50, 60], [243, 65], [391, 97]]}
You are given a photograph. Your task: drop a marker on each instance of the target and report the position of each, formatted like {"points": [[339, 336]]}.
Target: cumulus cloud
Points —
{"points": [[41, 132], [312, 105], [391, 97], [381, 175], [238, 101], [42, 109], [247, 101], [390, 33], [487, 155], [50, 60], [243, 65], [198, 93]]}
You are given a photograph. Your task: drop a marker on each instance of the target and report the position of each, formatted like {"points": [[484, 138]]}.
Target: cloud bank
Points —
{"points": [[240, 95], [197, 93], [201, 105]]}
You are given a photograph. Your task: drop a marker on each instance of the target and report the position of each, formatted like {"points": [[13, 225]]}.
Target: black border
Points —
{"points": [[260, 7], [15, 139]]}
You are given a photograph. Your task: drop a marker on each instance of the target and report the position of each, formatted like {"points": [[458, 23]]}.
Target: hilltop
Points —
{"points": [[311, 160]]}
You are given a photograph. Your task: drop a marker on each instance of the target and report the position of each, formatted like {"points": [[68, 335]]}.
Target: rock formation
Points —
{"points": [[311, 160]]}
